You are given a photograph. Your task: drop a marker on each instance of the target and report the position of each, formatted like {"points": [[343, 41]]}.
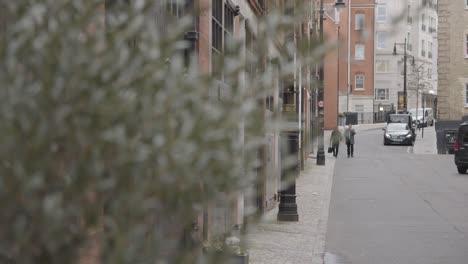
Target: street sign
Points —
{"points": [[320, 104]]}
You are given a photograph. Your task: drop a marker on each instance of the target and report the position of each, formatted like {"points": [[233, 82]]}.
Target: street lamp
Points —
{"points": [[405, 73], [321, 150]]}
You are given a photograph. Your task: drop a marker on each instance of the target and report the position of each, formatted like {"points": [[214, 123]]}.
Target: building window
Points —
{"points": [[423, 22], [466, 94], [401, 68], [429, 73], [250, 50], [360, 21], [359, 82], [408, 43], [381, 14], [359, 52], [359, 108], [381, 39], [432, 25], [466, 45], [381, 94], [429, 50], [423, 48], [381, 66], [409, 17], [222, 29]]}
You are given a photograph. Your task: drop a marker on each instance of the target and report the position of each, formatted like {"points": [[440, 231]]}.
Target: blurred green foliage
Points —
{"points": [[109, 129]]}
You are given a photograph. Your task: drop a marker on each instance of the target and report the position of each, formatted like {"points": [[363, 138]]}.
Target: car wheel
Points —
{"points": [[461, 170]]}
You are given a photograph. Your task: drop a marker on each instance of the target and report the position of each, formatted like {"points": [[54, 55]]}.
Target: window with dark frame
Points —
{"points": [[423, 48], [423, 22], [249, 50], [409, 45], [409, 18], [466, 94], [381, 94], [222, 13], [429, 50]]}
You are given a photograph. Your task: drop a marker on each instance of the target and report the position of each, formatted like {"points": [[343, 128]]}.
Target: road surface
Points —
{"points": [[391, 206]]}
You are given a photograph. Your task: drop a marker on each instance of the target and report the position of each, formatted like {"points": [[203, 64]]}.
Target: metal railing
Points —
{"points": [[357, 118]]}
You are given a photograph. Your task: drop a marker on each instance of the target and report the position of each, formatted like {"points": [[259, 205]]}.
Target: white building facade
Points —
{"points": [[397, 21]]}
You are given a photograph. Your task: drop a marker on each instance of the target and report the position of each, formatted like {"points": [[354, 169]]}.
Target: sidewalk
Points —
{"points": [[297, 242], [302, 242], [428, 144]]}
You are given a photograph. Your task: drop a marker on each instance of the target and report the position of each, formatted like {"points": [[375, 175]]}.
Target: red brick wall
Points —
{"points": [[365, 66]]}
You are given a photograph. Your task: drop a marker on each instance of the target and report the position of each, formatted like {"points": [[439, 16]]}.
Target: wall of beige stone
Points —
{"points": [[452, 63]]}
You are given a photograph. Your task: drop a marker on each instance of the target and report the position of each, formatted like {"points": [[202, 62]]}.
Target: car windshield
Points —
{"points": [[396, 127]]}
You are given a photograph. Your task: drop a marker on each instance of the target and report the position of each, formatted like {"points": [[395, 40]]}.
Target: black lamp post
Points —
{"points": [[321, 150], [405, 72], [287, 208]]}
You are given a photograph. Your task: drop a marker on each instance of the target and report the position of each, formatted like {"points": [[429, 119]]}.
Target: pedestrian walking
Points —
{"points": [[349, 137], [335, 140]]}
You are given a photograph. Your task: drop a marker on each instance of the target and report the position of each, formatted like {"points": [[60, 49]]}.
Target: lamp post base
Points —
{"points": [[288, 213], [321, 156]]}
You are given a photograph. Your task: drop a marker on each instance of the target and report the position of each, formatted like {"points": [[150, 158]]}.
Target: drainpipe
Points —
{"points": [[349, 56]]}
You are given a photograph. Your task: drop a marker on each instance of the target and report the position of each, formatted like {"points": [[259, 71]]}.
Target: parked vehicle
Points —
{"points": [[398, 133], [422, 117], [450, 136], [460, 147], [404, 119]]}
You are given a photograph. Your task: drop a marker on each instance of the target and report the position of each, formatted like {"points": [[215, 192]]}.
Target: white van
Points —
{"points": [[418, 117]]}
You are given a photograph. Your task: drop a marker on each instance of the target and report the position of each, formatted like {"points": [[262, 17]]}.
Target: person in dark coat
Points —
{"points": [[335, 140], [349, 137]]}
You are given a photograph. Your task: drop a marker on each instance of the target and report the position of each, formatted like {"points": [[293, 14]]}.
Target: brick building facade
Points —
{"points": [[352, 88]]}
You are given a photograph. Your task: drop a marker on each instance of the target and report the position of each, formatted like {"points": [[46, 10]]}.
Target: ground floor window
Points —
{"points": [[466, 94], [381, 94], [359, 108]]}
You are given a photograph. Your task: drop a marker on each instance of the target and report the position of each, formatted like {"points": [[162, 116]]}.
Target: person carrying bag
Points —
{"points": [[335, 140]]}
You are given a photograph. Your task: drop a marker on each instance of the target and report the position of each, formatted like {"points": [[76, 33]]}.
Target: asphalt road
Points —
{"points": [[391, 206]]}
